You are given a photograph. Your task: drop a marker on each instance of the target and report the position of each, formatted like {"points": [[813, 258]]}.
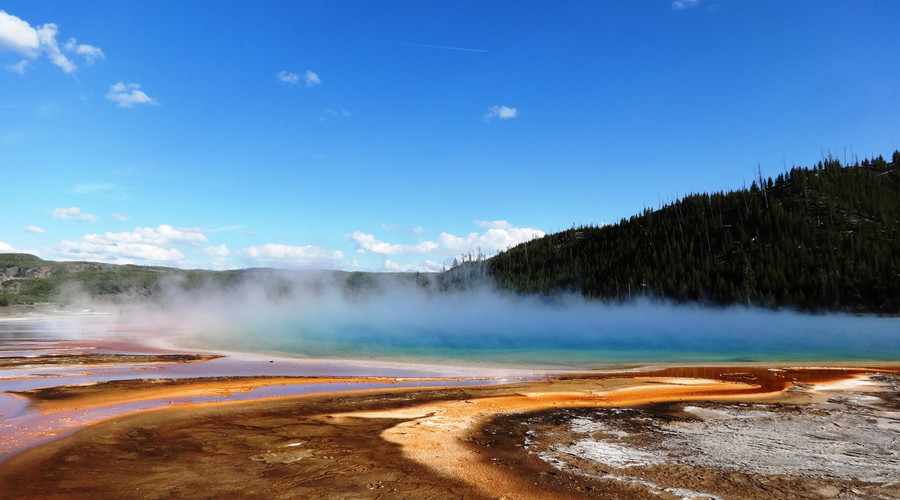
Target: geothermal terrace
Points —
{"points": [[105, 418]]}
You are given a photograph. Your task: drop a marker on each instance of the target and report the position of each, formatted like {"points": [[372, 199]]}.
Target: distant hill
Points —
{"points": [[27, 279], [820, 238]]}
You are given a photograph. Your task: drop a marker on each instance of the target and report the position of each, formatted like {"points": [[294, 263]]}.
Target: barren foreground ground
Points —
{"points": [[688, 432]]}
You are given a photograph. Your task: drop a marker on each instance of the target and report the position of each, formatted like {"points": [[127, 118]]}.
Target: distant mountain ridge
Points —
{"points": [[27, 279], [820, 238]]}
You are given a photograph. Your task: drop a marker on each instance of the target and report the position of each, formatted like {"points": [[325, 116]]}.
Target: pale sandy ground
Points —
{"points": [[436, 434]]}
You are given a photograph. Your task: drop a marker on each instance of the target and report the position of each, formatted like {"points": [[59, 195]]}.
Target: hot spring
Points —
{"points": [[489, 328]]}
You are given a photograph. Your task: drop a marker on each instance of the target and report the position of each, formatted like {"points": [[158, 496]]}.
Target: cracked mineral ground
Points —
{"points": [[846, 446]]}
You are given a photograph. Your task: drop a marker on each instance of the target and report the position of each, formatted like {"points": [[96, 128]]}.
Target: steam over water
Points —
{"points": [[485, 327]]}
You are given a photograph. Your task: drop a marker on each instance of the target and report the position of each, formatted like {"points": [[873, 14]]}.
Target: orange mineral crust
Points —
{"points": [[408, 442]]}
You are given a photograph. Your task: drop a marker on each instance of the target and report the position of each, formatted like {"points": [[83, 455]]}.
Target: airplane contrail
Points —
{"points": [[444, 47]]}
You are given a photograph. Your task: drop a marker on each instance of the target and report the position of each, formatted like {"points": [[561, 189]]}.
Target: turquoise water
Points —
{"points": [[578, 334], [487, 330]]}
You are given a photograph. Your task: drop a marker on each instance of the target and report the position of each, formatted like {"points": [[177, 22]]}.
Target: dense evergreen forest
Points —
{"points": [[820, 238]]}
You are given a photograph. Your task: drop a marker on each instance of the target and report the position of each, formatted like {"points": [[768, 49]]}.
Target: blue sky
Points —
{"points": [[397, 135]]}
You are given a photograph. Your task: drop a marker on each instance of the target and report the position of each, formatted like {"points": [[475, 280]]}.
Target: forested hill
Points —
{"points": [[27, 279], [820, 238]]}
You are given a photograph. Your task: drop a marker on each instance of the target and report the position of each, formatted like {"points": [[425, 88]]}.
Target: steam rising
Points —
{"points": [[327, 315]]}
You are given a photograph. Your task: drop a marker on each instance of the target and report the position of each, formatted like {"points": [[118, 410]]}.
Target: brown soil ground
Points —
{"points": [[82, 359], [482, 442]]}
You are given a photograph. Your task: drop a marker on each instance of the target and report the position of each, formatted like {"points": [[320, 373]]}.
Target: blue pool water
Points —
{"points": [[574, 334]]}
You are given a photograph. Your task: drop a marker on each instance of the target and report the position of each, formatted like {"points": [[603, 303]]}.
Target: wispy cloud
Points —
{"points": [[428, 266], [47, 36], [219, 251], [119, 217], [33, 229], [273, 254], [19, 67], [19, 36], [440, 47], [311, 79], [160, 235], [218, 254], [288, 77], [88, 52], [493, 224], [74, 213], [498, 235], [333, 113], [151, 245], [501, 112], [684, 4], [92, 188], [368, 243], [127, 95], [393, 227]]}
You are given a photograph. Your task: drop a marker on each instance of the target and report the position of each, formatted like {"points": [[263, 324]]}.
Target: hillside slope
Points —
{"points": [[27, 279], [821, 238]]}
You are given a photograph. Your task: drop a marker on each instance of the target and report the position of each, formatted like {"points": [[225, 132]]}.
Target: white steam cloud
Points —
{"points": [[337, 315]]}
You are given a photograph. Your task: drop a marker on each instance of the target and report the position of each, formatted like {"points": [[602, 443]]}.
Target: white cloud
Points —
{"points": [[119, 217], [367, 242], [143, 243], [429, 266], [286, 255], [19, 67], [47, 36], [288, 77], [684, 4], [219, 255], [88, 52], [7, 248], [493, 224], [94, 248], [293, 78], [448, 245], [311, 79], [161, 235], [219, 251], [492, 240], [502, 112], [74, 213], [33, 229], [127, 95], [18, 35]]}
